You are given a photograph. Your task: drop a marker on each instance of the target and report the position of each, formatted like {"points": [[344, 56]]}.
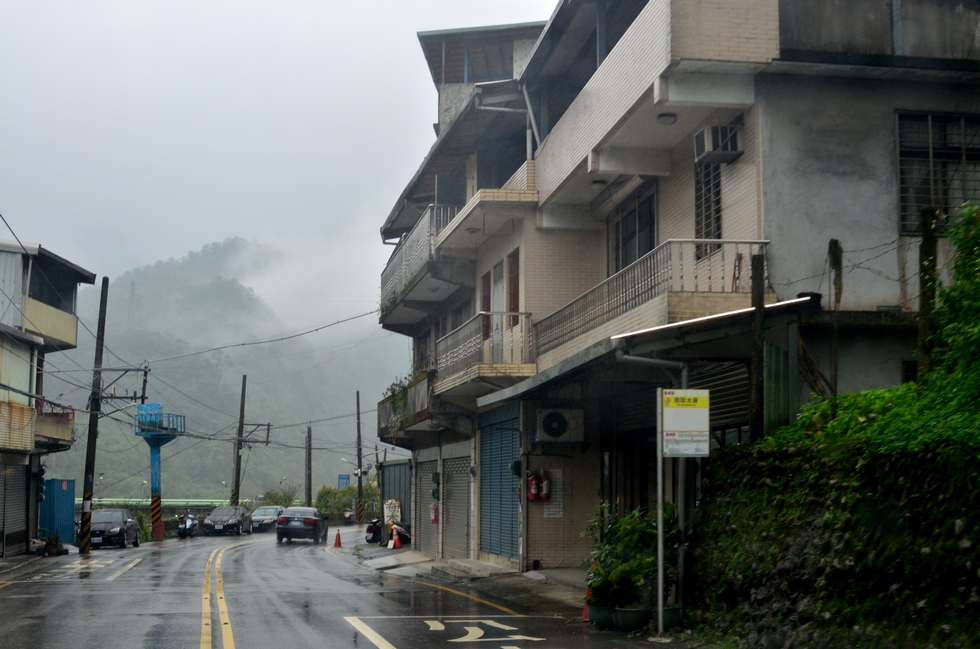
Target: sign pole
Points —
{"points": [[660, 512]]}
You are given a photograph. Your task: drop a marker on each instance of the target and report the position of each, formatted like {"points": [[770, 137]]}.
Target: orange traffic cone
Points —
{"points": [[585, 607], [395, 539], [336, 541]]}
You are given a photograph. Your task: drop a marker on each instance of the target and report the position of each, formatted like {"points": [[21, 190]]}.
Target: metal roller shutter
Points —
{"points": [[427, 534], [456, 508], [14, 510], [499, 487]]}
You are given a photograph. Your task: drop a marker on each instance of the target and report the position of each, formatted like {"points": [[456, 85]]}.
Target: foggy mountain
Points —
{"points": [[165, 312]]}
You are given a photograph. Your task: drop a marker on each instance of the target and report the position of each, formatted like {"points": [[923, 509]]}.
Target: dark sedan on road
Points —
{"points": [[264, 518], [228, 520], [114, 527], [301, 523]]}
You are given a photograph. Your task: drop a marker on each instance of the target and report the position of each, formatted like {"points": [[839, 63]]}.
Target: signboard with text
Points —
{"points": [[686, 423], [343, 480]]}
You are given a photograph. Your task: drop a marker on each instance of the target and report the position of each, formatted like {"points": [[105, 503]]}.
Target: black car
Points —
{"points": [[264, 518], [301, 523], [232, 519], [114, 527]]}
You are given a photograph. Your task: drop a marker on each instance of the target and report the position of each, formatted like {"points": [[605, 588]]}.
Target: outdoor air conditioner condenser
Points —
{"points": [[717, 144], [558, 426]]}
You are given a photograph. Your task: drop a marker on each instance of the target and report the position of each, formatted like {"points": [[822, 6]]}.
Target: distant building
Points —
{"points": [[38, 296], [597, 205]]}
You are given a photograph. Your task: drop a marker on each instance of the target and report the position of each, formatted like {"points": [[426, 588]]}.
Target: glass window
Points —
{"points": [[632, 229]]}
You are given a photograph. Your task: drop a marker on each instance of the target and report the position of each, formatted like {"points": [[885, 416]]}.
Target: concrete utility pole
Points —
{"points": [[757, 407], [836, 254], [238, 447], [927, 292], [309, 466], [94, 407], [360, 480], [146, 375]]}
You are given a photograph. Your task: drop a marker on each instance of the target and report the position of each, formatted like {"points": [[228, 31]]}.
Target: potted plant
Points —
{"points": [[51, 545], [623, 574]]}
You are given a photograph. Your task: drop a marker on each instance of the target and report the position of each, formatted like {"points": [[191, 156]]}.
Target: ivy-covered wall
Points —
{"points": [[831, 542]]}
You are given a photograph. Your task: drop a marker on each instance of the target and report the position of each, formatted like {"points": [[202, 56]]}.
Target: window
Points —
{"points": [[633, 228], [938, 165], [707, 206], [514, 287]]}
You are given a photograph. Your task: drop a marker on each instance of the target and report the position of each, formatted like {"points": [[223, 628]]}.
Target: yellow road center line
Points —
{"points": [[227, 638], [206, 605], [5, 584], [121, 571], [369, 633]]}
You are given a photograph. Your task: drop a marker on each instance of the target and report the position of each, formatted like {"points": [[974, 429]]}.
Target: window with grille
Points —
{"points": [[938, 165], [633, 228], [707, 206]]}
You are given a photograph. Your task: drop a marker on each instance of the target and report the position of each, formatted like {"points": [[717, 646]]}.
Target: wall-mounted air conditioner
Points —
{"points": [[717, 144], [560, 426]]}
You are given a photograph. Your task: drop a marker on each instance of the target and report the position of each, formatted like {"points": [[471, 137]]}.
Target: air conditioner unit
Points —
{"points": [[717, 144], [560, 426]]}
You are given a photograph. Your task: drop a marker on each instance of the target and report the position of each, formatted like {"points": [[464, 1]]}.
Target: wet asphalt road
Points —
{"points": [[249, 591]]}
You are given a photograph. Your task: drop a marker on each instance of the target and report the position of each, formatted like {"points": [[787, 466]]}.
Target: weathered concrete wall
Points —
{"points": [[829, 170]]}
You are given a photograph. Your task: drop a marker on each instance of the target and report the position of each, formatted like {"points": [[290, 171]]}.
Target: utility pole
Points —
{"points": [[360, 480], [94, 406], [836, 253], [146, 374], [238, 447], [757, 407], [927, 293], [309, 466]]}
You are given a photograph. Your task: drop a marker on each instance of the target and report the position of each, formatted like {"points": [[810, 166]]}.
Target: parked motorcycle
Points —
{"points": [[348, 517], [187, 525], [373, 531]]}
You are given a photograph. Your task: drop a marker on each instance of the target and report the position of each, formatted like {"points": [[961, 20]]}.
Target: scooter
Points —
{"points": [[186, 525], [373, 531], [348, 517]]}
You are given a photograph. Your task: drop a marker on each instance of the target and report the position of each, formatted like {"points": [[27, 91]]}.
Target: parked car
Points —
{"points": [[301, 523], [264, 518], [228, 520], [114, 527]]}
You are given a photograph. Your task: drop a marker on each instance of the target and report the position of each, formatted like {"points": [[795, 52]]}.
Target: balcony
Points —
{"points": [[491, 350], [415, 281], [55, 422], [58, 328], [679, 280], [406, 410]]}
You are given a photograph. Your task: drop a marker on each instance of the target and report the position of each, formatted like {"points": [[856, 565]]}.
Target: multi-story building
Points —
{"points": [[583, 229], [38, 291]]}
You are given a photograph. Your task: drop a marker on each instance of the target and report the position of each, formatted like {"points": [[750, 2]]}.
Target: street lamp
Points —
{"points": [[101, 485], [142, 489]]}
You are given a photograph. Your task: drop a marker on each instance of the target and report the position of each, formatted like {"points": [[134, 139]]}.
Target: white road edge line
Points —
{"points": [[121, 571], [369, 633]]}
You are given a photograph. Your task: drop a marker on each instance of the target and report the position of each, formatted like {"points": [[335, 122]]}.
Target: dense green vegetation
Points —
{"points": [[864, 529]]}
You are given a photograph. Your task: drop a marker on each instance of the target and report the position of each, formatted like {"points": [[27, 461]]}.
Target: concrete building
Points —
{"points": [[597, 206], [38, 291]]}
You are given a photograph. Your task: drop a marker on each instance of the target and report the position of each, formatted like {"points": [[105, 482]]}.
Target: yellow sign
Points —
{"points": [[674, 400]]}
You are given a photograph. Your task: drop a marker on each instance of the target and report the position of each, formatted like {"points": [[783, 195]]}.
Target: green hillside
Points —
{"points": [[177, 307]]}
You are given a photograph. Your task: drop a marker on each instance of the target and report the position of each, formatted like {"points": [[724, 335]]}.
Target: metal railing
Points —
{"points": [[494, 337], [697, 265], [413, 251]]}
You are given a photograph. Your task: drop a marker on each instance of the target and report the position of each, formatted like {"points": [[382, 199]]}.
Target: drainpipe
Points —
{"points": [[623, 357], [530, 114]]}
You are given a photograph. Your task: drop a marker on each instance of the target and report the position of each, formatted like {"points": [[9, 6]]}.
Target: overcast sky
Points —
{"points": [[137, 131]]}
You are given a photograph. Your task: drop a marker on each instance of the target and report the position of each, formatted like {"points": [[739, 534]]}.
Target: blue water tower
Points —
{"points": [[157, 428]]}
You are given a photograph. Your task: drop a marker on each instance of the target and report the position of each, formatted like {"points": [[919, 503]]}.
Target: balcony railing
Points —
{"points": [[414, 250], [697, 265], [53, 420], [495, 337]]}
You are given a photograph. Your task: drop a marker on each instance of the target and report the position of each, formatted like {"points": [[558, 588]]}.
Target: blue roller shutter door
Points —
{"points": [[499, 487]]}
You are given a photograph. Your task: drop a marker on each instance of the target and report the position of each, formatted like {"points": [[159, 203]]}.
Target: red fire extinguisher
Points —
{"points": [[545, 486], [434, 514], [533, 486]]}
